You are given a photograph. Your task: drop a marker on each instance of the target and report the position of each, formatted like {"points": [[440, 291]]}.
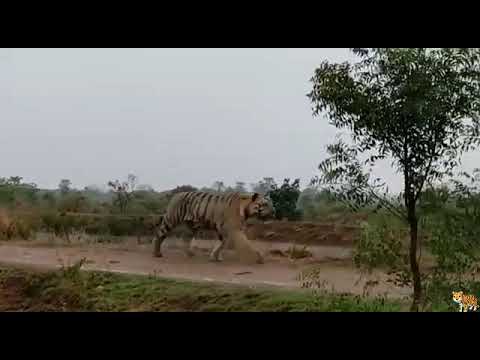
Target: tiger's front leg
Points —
{"points": [[160, 236], [157, 243], [187, 242], [215, 255], [242, 243]]}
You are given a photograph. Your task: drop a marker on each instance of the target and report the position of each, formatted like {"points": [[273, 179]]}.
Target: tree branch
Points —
{"points": [[390, 207]]}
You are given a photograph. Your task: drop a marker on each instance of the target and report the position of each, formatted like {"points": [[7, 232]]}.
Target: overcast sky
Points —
{"points": [[170, 116]]}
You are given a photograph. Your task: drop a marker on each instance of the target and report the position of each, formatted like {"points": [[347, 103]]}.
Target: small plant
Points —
{"points": [[14, 227], [381, 243], [310, 279], [72, 272]]}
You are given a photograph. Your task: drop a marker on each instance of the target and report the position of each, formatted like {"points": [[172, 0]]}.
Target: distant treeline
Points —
{"points": [[129, 198]]}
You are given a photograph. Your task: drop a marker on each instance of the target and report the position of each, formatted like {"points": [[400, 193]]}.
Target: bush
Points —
{"points": [[114, 225], [74, 202], [381, 243], [18, 226], [285, 200]]}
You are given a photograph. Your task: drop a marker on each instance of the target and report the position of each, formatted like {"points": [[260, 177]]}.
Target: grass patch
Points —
{"points": [[70, 289]]}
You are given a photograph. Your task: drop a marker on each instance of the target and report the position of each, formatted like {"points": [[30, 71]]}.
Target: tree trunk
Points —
{"points": [[417, 283], [411, 206]]}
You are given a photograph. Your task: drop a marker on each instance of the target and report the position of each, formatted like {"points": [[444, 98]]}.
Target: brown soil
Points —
{"points": [[304, 233], [328, 248], [300, 232], [336, 270]]}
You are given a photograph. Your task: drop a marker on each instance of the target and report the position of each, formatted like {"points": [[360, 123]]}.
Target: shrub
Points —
{"points": [[381, 243]]}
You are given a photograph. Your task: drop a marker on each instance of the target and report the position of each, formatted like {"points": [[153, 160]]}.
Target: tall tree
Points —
{"points": [[418, 107], [64, 186], [123, 191]]}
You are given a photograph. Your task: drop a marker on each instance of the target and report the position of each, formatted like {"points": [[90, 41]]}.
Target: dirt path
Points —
{"points": [[335, 265]]}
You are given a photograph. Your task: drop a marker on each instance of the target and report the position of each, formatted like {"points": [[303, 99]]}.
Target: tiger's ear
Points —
{"points": [[255, 196]]}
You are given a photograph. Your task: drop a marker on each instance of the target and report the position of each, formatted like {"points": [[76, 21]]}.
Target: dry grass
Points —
{"points": [[12, 226]]}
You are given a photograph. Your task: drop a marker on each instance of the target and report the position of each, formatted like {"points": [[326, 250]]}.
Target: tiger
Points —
{"points": [[225, 213], [466, 302]]}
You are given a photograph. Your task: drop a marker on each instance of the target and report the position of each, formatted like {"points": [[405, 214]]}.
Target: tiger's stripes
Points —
{"points": [[224, 213]]}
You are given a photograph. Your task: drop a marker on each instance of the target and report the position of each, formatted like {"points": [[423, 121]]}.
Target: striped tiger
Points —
{"points": [[225, 213], [466, 302]]}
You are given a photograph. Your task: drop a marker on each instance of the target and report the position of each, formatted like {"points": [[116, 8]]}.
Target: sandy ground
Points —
{"points": [[336, 269]]}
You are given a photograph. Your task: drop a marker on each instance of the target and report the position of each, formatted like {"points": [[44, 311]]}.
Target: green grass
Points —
{"points": [[73, 290]]}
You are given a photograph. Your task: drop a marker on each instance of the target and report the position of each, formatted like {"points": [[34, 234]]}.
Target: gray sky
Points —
{"points": [[170, 116]]}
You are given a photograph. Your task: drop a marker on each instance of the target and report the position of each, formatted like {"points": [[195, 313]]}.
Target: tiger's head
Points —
{"points": [[260, 206], [457, 296]]}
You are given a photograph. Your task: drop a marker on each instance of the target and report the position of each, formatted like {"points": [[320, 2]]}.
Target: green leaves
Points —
{"points": [[417, 106], [285, 199], [382, 243]]}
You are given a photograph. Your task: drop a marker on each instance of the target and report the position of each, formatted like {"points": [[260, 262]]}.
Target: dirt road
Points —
{"points": [[336, 269]]}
